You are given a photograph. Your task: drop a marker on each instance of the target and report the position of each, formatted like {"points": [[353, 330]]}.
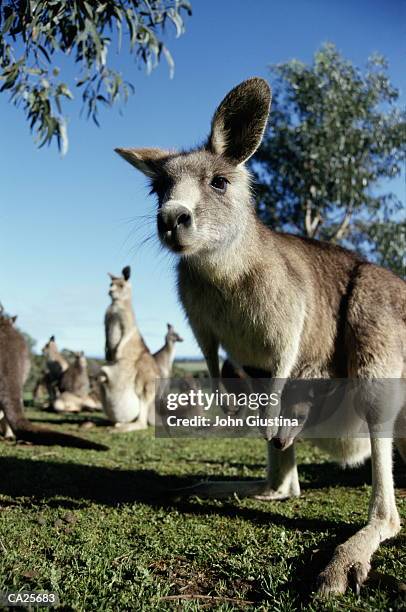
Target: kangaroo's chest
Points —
{"points": [[244, 335], [118, 320], [246, 324]]}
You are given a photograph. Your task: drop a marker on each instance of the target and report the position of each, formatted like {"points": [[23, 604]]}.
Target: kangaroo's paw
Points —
{"points": [[276, 495], [337, 577], [127, 427]]}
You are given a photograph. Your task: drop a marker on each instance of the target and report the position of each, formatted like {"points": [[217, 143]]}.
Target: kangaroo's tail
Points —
{"points": [[23, 429]]}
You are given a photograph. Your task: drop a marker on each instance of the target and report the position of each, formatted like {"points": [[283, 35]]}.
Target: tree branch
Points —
{"points": [[311, 225], [343, 227]]}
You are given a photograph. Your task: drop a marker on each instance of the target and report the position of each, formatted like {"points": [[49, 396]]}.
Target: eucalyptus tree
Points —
{"points": [[43, 42], [336, 136]]}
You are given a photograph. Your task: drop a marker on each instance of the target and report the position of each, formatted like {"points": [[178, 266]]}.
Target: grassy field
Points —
{"points": [[102, 531], [192, 366]]}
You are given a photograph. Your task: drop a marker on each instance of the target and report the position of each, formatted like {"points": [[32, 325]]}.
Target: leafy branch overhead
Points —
{"points": [[34, 35], [336, 136]]}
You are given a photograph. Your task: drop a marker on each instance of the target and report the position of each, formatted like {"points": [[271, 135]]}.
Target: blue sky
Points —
{"points": [[64, 223]]}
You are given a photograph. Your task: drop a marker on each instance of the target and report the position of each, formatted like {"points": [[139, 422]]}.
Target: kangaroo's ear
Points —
{"points": [[14, 318], [52, 339], [126, 272], [111, 275], [147, 161], [239, 122]]}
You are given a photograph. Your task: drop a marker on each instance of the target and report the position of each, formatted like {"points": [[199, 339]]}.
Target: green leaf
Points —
{"points": [[8, 23], [81, 32]]}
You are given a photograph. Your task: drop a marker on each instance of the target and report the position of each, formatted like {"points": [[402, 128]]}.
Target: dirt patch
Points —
{"points": [[187, 579]]}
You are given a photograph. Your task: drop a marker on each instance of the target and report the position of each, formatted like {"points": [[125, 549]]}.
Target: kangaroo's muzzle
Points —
{"points": [[175, 226]]}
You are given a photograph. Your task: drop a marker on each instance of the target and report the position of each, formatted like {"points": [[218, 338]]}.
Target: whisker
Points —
{"points": [[146, 217], [137, 230]]}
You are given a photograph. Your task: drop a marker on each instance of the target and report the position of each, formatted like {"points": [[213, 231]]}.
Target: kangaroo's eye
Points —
{"points": [[219, 183]]}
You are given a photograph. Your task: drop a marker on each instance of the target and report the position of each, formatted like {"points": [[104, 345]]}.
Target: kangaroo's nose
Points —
{"points": [[173, 217]]}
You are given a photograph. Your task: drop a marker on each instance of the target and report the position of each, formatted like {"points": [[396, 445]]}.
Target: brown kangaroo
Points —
{"points": [[14, 369], [74, 386], [119, 320], [127, 384], [306, 308], [165, 356], [55, 366]]}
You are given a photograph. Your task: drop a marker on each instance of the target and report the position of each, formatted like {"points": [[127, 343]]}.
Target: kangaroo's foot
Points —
{"points": [[5, 429], [278, 494], [350, 564], [283, 480], [127, 427], [351, 560]]}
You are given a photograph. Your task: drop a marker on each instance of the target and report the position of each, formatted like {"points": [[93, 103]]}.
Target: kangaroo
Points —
{"points": [[76, 379], [128, 384], [74, 386], [56, 363], [14, 370], [119, 320], [306, 308], [55, 366], [165, 356]]}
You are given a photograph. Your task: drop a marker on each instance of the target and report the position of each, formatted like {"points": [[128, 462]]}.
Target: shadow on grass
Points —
{"points": [[43, 480], [74, 419], [315, 475], [58, 484]]}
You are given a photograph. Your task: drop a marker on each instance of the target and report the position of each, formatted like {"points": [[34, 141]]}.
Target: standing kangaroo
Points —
{"points": [[55, 366], [307, 308], [119, 320], [165, 356], [56, 363], [128, 383]]}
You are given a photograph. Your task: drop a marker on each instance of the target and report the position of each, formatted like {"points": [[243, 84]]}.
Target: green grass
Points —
{"points": [[192, 366], [101, 530]]}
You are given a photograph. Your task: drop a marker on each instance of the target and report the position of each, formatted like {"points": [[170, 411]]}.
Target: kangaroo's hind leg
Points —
{"points": [[351, 560]]}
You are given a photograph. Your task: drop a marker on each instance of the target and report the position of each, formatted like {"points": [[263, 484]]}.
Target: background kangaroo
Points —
{"points": [[74, 386], [56, 363], [76, 379], [14, 369], [165, 356], [55, 366], [128, 384], [279, 303], [119, 320]]}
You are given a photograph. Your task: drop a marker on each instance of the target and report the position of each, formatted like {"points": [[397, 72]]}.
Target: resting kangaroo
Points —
{"points": [[14, 369], [165, 356], [307, 308], [74, 385]]}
